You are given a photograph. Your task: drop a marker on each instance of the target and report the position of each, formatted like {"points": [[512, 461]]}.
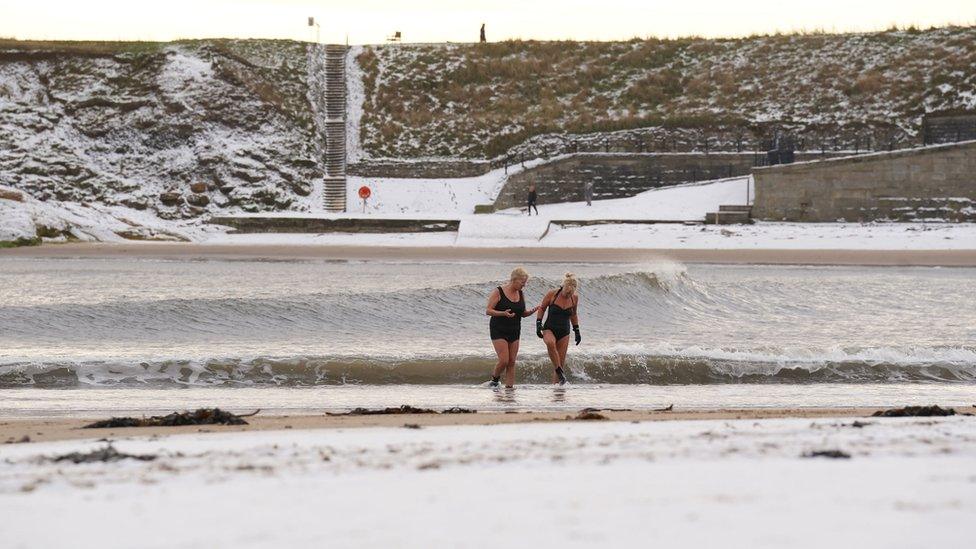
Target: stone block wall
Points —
{"points": [[948, 128], [426, 169], [937, 182]]}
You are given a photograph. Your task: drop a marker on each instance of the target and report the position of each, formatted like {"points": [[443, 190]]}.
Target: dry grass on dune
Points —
{"points": [[478, 100]]}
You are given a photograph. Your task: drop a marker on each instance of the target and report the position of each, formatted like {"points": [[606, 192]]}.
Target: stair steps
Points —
{"points": [[730, 215], [735, 208], [334, 182]]}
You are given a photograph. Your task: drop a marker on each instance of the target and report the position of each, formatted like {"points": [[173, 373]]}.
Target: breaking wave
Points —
{"points": [[672, 367], [364, 314], [638, 328]]}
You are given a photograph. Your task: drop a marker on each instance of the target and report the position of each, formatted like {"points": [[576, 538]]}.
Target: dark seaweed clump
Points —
{"points": [[916, 411], [832, 454], [201, 416], [588, 415], [101, 455], [404, 409]]}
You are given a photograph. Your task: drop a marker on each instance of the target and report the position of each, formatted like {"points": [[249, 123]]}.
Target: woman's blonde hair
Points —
{"points": [[518, 273], [569, 281]]}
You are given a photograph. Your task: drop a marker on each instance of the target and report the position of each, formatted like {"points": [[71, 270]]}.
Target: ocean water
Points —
{"points": [[294, 335]]}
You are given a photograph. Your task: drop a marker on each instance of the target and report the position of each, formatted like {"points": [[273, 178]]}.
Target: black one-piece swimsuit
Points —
{"points": [[557, 318], [502, 327]]}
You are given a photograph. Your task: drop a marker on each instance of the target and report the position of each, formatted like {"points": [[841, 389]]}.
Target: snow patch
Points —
{"points": [[439, 197], [183, 70]]}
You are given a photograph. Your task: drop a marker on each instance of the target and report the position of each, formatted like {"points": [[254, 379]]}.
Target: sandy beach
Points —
{"points": [[185, 251], [57, 429], [759, 482]]}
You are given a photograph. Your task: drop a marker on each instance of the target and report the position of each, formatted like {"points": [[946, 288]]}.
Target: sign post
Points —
{"points": [[364, 193]]}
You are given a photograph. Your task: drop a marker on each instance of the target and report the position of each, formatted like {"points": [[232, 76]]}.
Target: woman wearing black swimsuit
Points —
{"points": [[561, 308], [506, 307]]}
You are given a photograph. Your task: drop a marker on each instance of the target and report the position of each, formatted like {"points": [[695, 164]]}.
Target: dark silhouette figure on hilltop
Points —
{"points": [[483, 40]]}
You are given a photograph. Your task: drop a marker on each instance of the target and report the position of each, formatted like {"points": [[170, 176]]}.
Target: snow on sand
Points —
{"points": [[908, 483]]}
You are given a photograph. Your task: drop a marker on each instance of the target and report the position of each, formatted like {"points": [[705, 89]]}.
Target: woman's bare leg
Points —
{"points": [[561, 347], [550, 341], [501, 349], [513, 348]]}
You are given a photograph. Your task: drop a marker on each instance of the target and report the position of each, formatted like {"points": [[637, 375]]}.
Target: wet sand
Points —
{"points": [[187, 251], [54, 429]]}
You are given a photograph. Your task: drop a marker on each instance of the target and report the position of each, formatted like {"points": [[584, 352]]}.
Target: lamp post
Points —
{"points": [[312, 23]]}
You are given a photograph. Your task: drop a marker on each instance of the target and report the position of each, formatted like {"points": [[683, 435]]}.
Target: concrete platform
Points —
{"points": [[308, 224], [588, 222], [283, 223]]}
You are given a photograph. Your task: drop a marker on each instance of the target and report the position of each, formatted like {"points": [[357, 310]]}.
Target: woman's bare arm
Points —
{"points": [[546, 300]]}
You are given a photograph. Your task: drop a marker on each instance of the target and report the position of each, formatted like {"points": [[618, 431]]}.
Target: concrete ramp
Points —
{"points": [[502, 227]]}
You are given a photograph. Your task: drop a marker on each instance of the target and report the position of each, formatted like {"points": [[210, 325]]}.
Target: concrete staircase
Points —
{"points": [[334, 191], [729, 215]]}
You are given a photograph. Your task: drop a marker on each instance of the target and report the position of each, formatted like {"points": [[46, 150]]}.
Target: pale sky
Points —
{"points": [[371, 21]]}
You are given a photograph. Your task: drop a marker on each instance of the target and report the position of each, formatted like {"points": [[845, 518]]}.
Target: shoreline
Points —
{"points": [[230, 252], [63, 429]]}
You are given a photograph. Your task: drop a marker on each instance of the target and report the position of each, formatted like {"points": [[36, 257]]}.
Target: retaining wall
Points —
{"points": [[427, 169], [282, 224], [948, 128], [937, 182], [622, 175]]}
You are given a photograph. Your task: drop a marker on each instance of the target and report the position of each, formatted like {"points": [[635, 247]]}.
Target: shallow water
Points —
{"points": [[94, 401], [372, 326]]}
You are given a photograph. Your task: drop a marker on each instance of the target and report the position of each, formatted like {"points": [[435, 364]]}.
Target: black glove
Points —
{"points": [[578, 336], [538, 327]]}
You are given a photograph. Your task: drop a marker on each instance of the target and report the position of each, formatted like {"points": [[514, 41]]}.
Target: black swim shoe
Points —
{"points": [[561, 376], [494, 382]]}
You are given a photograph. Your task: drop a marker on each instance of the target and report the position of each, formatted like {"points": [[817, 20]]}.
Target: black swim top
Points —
{"points": [[505, 304], [557, 317]]}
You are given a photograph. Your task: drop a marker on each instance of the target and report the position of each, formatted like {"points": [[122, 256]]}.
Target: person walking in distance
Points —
{"points": [[588, 192], [483, 39], [532, 198]]}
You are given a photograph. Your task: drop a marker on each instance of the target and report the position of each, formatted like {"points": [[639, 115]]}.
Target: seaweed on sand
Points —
{"points": [[101, 455], [832, 454], [404, 409], [459, 410], [201, 416], [916, 411]]}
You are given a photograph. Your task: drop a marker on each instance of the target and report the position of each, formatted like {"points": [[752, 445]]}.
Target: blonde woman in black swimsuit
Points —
{"points": [[506, 307], [561, 307]]}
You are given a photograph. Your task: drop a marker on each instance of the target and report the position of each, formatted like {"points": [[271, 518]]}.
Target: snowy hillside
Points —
{"points": [[177, 130], [160, 135], [480, 100], [28, 221]]}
